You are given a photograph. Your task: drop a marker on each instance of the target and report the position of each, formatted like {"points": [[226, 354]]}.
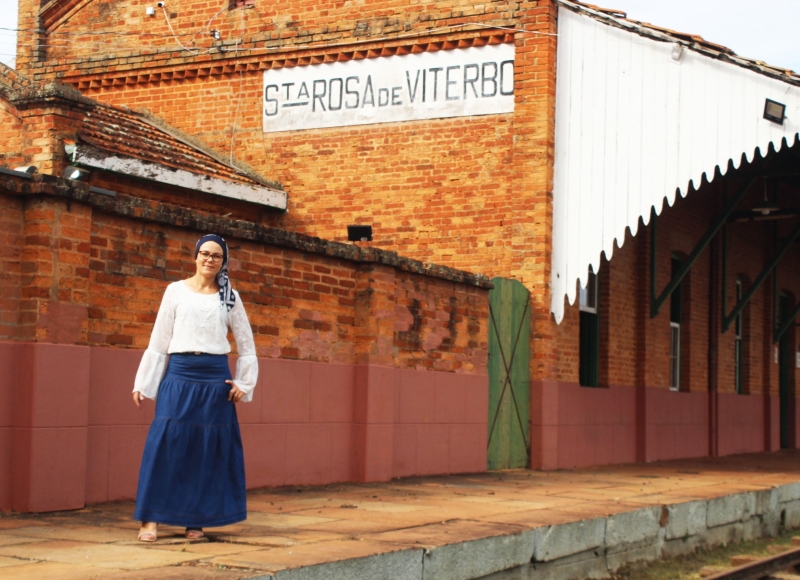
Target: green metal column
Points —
{"points": [[783, 373]]}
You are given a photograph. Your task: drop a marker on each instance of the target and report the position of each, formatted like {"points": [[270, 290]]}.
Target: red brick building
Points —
{"points": [[453, 164]]}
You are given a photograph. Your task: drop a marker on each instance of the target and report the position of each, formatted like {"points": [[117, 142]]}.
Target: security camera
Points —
{"points": [[161, 4]]}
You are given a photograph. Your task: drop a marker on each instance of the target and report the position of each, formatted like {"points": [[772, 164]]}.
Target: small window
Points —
{"points": [[588, 295], [234, 4], [675, 308], [737, 353], [589, 370]]}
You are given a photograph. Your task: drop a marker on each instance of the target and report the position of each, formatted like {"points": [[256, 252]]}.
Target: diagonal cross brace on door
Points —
{"points": [[507, 364]]}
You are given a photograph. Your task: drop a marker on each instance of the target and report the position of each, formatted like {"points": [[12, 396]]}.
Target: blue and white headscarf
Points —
{"points": [[226, 296]]}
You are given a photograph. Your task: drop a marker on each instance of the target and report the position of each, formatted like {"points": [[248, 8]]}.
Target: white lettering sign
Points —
{"points": [[429, 85]]}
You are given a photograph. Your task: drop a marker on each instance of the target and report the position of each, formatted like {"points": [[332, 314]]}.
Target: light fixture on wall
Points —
{"points": [[774, 111], [767, 206], [359, 233], [72, 172], [29, 169], [677, 52]]}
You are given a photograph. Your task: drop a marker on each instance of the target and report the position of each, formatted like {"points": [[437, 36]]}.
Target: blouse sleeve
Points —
{"points": [[154, 361], [247, 364]]}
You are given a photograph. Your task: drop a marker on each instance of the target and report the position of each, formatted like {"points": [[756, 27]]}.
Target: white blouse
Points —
{"points": [[188, 321]]}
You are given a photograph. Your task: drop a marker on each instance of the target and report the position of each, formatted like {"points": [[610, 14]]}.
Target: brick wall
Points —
{"points": [[487, 177], [635, 348], [95, 276], [373, 366], [11, 242], [83, 28], [11, 136]]}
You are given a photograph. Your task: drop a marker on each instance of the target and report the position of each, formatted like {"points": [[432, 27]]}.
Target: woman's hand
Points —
{"points": [[138, 399], [236, 393]]}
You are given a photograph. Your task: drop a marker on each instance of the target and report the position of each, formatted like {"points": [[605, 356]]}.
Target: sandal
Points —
{"points": [[148, 535], [194, 533]]}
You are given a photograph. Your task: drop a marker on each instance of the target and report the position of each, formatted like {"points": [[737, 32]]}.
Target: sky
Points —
{"points": [[765, 30]]}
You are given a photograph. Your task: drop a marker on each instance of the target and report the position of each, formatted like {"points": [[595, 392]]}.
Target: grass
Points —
{"points": [[688, 567]]}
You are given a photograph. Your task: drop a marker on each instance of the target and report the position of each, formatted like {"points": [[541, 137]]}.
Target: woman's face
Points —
{"points": [[209, 259]]}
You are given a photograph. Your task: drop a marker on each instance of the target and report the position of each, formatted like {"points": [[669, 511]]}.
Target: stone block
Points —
{"points": [[752, 529], [765, 501], [791, 515], [557, 541], [649, 549], [641, 525], [771, 523], [400, 565], [681, 546], [584, 566], [724, 535], [789, 492], [729, 509], [686, 519], [476, 558]]}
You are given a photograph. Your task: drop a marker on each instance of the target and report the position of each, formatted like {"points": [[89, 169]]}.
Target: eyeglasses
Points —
{"points": [[209, 256]]}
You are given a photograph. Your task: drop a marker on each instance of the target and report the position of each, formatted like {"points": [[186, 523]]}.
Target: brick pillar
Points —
{"points": [[642, 241], [375, 375], [532, 210], [30, 47], [52, 366], [55, 271], [50, 117]]}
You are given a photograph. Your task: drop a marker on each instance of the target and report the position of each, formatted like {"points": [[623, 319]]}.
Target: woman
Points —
{"points": [[192, 472]]}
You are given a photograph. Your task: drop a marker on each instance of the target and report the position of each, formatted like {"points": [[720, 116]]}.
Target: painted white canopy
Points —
{"points": [[635, 125]]}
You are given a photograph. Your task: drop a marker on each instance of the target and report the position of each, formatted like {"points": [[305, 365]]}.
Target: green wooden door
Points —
{"points": [[509, 375]]}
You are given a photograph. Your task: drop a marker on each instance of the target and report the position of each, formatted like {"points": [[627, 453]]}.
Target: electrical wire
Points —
{"points": [[239, 100], [115, 45], [173, 34], [221, 10], [178, 40], [92, 33]]}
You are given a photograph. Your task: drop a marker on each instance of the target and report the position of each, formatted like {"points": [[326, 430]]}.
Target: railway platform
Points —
{"points": [[581, 523]]}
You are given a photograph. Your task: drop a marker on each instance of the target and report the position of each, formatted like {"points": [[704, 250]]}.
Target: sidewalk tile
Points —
{"points": [[104, 535], [9, 540], [97, 555], [297, 556], [435, 535], [54, 570]]}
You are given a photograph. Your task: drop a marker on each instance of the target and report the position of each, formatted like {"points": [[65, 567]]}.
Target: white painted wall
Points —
{"points": [[428, 85]]}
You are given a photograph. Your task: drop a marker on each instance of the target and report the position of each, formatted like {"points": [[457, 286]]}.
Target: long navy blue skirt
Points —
{"points": [[192, 472]]}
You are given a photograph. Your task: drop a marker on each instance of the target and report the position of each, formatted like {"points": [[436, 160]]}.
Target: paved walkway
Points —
{"points": [[292, 528]]}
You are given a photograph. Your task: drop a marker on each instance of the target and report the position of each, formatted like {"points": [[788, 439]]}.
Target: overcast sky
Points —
{"points": [[765, 30]]}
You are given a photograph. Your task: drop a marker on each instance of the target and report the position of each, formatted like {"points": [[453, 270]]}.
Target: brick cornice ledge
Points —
{"points": [[162, 69], [171, 215]]}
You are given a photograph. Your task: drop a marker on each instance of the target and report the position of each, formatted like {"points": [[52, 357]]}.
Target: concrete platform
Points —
{"points": [[500, 525]]}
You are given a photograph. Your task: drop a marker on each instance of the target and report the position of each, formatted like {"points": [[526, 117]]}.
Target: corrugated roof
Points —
{"points": [[638, 123], [693, 42]]}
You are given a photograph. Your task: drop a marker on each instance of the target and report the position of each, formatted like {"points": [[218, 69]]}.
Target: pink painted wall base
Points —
{"points": [[70, 433], [574, 426]]}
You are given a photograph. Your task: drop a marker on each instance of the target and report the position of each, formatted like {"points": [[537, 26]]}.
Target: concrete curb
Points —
{"points": [[579, 550]]}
